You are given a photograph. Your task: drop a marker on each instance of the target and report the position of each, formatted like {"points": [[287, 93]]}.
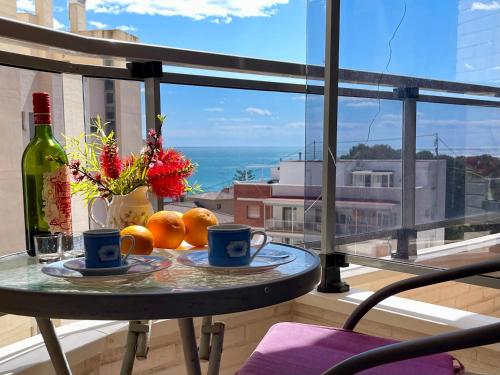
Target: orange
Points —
{"points": [[177, 213], [197, 220], [168, 229], [143, 240]]}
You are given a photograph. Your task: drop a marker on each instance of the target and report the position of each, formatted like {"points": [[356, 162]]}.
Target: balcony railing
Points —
{"points": [[287, 226], [149, 64]]}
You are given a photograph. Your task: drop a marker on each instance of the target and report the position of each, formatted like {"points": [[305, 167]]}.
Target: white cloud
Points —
{"points": [[299, 97], [220, 11], [444, 122], [25, 6], [58, 25], [258, 111], [468, 66], [230, 119], [392, 116], [295, 125], [225, 20], [214, 109], [97, 24], [480, 5], [247, 127], [126, 28], [58, 8], [358, 102]]}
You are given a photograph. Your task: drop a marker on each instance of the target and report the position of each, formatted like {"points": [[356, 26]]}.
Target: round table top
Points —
{"points": [[177, 292]]}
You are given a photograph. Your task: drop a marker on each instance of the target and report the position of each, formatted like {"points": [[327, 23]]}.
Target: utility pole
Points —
{"points": [[436, 144]]}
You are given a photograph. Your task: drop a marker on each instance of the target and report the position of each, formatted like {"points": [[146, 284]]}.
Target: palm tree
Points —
{"points": [[244, 175]]}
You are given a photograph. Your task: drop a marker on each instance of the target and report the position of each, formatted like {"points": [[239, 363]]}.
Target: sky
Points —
{"points": [[445, 39]]}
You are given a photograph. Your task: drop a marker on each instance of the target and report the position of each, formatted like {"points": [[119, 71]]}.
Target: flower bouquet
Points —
{"points": [[99, 171]]}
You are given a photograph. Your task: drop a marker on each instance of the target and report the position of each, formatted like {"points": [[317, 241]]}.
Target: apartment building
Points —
{"points": [[368, 198]]}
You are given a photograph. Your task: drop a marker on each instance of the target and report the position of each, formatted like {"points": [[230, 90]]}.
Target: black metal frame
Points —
{"points": [[415, 348], [330, 262]]}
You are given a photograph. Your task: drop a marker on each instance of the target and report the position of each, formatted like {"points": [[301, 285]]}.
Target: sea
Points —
{"points": [[217, 165]]}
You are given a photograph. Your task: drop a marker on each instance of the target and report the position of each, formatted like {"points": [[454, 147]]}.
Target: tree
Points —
{"points": [[425, 155], [244, 175], [375, 152]]}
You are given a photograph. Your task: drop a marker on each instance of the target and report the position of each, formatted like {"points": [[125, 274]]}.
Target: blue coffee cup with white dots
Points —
{"points": [[229, 245], [102, 248]]}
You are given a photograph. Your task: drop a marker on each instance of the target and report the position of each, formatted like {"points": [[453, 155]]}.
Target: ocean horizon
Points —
{"points": [[218, 165]]}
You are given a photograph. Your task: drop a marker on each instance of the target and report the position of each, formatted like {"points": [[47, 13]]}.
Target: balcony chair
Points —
{"points": [[303, 349]]}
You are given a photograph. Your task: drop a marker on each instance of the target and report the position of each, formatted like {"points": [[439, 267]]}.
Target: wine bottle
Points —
{"points": [[46, 186]]}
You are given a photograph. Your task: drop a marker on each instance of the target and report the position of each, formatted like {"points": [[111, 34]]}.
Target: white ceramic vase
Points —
{"points": [[133, 208]]}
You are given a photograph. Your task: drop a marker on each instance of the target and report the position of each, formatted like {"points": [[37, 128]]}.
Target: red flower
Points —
{"points": [[167, 173], [111, 163], [129, 161]]}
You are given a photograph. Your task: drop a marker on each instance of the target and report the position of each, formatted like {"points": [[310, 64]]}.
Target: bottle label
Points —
{"points": [[56, 196]]}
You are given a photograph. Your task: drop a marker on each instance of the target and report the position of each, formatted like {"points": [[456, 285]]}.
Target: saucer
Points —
{"points": [[267, 259], [142, 267], [78, 264]]}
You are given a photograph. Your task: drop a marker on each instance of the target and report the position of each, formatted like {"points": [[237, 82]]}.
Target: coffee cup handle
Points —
{"points": [[132, 240], [91, 211], [261, 246]]}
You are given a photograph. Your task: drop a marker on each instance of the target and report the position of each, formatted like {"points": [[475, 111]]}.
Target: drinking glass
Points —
{"points": [[72, 245], [48, 247]]}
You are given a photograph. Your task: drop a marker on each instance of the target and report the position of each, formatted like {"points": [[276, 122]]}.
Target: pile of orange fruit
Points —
{"points": [[168, 229]]}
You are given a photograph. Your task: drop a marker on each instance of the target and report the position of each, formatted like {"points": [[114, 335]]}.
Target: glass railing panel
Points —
{"points": [[459, 145], [457, 42], [16, 88], [120, 104], [369, 171], [313, 189], [249, 148], [263, 29]]}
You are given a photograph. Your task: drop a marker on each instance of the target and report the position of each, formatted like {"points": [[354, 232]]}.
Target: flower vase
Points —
{"points": [[133, 208]]}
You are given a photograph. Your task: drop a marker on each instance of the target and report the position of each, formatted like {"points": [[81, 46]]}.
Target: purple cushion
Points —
{"points": [[302, 349]]}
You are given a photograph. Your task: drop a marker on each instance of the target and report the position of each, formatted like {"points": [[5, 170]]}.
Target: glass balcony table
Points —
{"points": [[179, 292]]}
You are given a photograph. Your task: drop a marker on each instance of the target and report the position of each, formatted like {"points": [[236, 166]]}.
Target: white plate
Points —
{"points": [[267, 259], [145, 266]]}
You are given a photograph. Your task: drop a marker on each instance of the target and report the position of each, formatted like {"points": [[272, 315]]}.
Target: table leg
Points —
{"points": [[56, 353], [206, 334], [129, 356], [137, 344], [186, 328], [216, 344]]}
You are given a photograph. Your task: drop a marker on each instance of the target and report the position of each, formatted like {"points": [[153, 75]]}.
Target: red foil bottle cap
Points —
{"points": [[41, 108]]}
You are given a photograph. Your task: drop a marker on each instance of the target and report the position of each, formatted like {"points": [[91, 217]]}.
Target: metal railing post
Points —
{"points": [[407, 235], [330, 263], [152, 73]]}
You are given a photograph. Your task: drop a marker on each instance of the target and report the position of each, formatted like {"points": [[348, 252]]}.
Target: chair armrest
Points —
{"points": [[445, 342], [417, 282]]}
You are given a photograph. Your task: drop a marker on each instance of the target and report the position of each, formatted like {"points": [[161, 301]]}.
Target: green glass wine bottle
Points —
{"points": [[46, 186]]}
